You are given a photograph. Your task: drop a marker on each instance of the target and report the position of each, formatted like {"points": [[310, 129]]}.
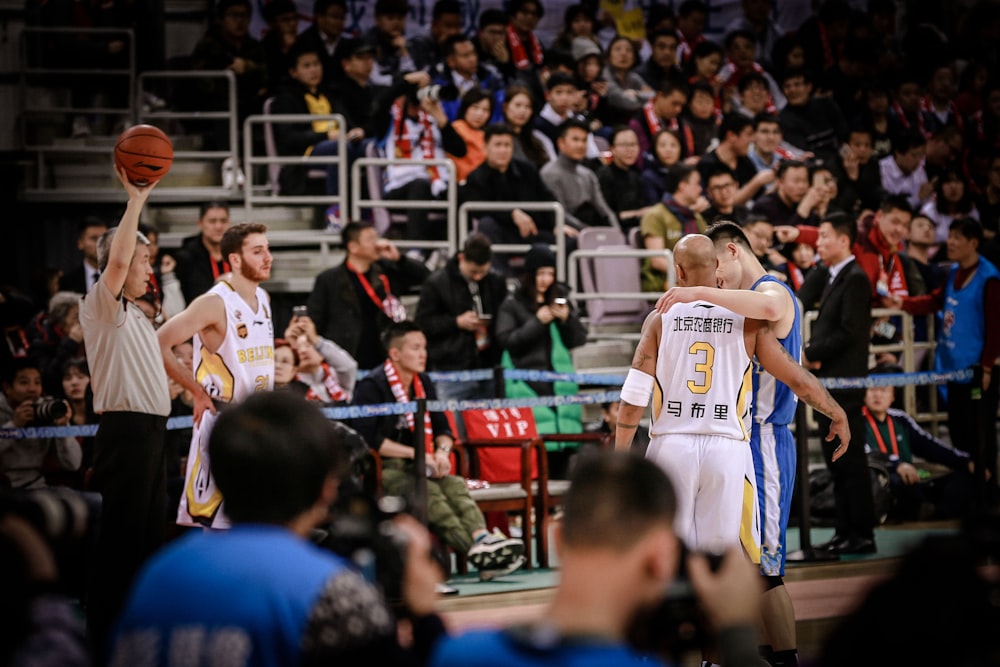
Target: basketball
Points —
{"points": [[145, 152]]}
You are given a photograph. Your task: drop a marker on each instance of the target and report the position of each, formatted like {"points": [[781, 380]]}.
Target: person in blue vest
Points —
{"points": [[968, 328], [261, 593]]}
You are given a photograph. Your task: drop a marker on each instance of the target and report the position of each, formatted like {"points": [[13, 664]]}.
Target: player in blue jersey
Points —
{"points": [[774, 404]]}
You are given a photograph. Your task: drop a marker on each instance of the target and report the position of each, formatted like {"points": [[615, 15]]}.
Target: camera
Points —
{"points": [[49, 410], [437, 92], [66, 520], [559, 301], [300, 311], [675, 627], [361, 529]]}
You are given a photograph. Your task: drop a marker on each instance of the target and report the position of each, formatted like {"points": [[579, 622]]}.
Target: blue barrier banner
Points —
{"points": [[552, 376], [897, 379], [384, 409]]}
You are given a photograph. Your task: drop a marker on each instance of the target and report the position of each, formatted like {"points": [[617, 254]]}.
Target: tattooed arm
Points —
{"points": [[644, 360], [776, 361]]}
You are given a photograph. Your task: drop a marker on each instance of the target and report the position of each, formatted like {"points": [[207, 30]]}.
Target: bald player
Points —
{"points": [[695, 362], [749, 290]]}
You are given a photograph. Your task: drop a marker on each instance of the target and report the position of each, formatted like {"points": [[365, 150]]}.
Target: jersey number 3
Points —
{"points": [[702, 366]]}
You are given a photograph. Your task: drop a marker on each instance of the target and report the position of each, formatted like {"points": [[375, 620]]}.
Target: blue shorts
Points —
{"points": [[774, 462]]}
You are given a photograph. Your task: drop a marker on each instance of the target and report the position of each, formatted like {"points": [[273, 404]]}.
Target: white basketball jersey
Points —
{"points": [[703, 374], [244, 362]]}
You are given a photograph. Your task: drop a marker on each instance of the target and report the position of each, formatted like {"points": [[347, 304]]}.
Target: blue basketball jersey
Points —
{"points": [[773, 401]]}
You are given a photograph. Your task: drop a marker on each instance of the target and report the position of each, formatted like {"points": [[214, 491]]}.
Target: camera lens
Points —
{"points": [[48, 410]]}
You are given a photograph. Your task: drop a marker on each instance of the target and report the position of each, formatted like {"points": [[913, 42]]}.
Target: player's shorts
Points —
{"points": [[201, 502], [774, 459], [713, 477]]}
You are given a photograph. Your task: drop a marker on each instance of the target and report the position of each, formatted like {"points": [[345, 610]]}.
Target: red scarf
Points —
{"points": [[333, 387], [399, 392], [878, 436], [654, 125], [518, 52], [927, 105], [795, 276], [890, 270], [824, 40], [901, 115], [404, 140], [390, 305], [685, 48]]}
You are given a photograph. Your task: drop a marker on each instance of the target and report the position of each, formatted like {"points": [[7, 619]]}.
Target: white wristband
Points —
{"points": [[638, 388]]}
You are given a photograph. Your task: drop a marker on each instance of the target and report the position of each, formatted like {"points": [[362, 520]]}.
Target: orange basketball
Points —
{"points": [[145, 152]]}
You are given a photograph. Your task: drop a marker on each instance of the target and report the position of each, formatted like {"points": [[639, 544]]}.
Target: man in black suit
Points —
{"points": [[838, 347], [83, 277]]}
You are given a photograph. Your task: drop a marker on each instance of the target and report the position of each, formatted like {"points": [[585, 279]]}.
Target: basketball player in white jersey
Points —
{"points": [[747, 289], [233, 358], [695, 363]]}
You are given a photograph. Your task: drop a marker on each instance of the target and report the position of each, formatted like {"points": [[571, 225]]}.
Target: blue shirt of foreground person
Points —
{"points": [[260, 593]]}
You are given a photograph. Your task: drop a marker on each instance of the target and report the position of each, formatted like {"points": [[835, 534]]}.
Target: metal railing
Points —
{"points": [[271, 191], [87, 156], [908, 347], [447, 205], [575, 274], [512, 248], [216, 158]]}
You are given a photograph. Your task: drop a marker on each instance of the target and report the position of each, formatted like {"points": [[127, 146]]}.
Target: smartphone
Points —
{"points": [[300, 311], [559, 301]]}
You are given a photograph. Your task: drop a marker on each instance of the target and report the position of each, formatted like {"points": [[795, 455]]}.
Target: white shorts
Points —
{"points": [[201, 502], [716, 488]]}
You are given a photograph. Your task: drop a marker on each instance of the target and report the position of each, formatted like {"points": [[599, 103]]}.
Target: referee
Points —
{"points": [[131, 397]]}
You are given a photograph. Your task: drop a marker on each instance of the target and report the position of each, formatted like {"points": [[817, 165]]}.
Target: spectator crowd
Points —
{"points": [[863, 135]]}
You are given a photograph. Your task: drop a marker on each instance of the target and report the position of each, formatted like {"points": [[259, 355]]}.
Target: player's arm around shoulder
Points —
{"points": [[778, 307]]}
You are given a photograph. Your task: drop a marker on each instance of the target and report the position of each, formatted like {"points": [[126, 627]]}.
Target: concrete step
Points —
{"points": [[613, 356], [183, 220]]}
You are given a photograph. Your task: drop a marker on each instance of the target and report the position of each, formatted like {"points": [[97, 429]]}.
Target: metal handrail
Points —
{"points": [[318, 161], [560, 245], [908, 362], [447, 204], [31, 75], [578, 294]]}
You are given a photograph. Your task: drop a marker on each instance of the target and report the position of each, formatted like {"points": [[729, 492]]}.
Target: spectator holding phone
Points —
{"points": [[456, 310]]}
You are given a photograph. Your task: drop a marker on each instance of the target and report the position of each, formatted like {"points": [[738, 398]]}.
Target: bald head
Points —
{"points": [[695, 258]]}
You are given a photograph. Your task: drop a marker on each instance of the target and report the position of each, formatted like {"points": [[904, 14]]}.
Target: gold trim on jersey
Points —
{"points": [[200, 506], [744, 394], [750, 545], [212, 367], [657, 399]]}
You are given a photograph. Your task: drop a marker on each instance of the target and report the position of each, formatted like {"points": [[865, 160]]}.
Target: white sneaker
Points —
{"points": [[490, 575], [495, 551]]}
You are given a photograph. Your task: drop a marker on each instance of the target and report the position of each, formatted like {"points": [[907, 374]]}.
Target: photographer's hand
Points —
{"points": [[730, 596], [422, 574], [24, 414]]}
